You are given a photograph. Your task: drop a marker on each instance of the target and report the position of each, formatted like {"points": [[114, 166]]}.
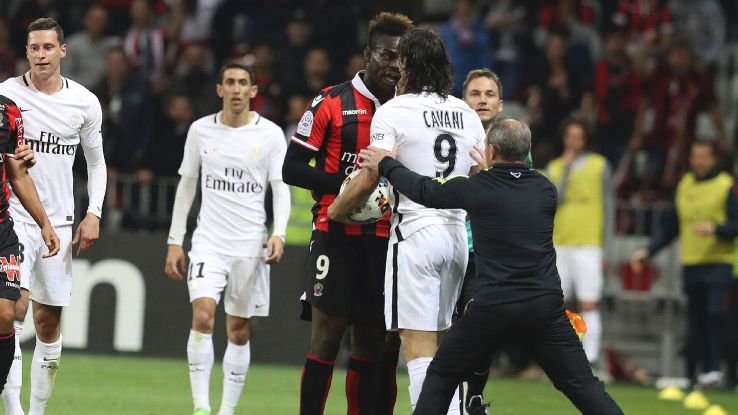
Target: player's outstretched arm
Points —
{"points": [[355, 194], [175, 263], [25, 190], [452, 193]]}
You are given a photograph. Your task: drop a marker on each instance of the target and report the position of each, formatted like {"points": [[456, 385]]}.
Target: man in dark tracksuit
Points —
{"points": [[512, 210]]}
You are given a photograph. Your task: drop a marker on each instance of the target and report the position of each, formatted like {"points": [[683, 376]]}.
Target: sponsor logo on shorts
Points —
{"points": [[11, 267], [318, 289]]}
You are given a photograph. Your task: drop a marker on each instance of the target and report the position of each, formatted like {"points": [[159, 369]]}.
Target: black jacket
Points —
{"points": [[511, 209]]}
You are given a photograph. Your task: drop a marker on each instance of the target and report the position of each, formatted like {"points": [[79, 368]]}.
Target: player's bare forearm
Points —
{"points": [[26, 193], [354, 195]]}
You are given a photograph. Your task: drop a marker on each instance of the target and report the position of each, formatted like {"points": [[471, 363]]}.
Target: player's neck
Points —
{"points": [[49, 86], [235, 120]]}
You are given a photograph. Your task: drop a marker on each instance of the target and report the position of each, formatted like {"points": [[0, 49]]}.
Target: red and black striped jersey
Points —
{"points": [[336, 127], [11, 136]]}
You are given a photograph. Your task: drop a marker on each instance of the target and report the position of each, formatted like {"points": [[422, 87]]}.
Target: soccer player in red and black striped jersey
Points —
{"points": [[15, 171], [345, 273]]}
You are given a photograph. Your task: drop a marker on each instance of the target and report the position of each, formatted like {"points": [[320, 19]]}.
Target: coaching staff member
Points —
{"points": [[512, 210]]}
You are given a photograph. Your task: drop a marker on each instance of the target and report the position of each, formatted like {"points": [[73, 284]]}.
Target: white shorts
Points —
{"points": [[423, 278], [580, 269], [48, 279], [244, 279]]}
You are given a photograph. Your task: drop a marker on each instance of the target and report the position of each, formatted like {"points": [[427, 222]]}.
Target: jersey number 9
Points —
{"points": [[449, 158]]}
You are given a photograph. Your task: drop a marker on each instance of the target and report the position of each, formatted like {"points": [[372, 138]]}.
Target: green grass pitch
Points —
{"points": [[146, 386]]}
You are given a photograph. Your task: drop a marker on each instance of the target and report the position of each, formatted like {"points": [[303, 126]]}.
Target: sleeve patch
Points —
{"points": [[305, 126]]}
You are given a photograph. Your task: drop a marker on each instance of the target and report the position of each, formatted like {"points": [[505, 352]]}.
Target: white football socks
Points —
{"points": [[592, 338], [200, 360], [417, 368], [11, 393], [236, 362], [44, 366]]}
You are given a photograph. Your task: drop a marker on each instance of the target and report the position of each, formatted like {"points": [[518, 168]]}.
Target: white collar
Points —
{"points": [[358, 84]]}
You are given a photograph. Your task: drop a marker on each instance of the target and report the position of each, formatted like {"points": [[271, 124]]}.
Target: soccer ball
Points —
{"points": [[376, 206]]}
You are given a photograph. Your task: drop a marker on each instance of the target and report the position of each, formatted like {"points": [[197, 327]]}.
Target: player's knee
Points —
{"points": [[239, 337], [21, 309], [203, 321], [6, 316]]}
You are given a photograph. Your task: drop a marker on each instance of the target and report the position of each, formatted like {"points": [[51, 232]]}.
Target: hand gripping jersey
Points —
{"points": [[54, 126], [433, 137], [235, 166]]}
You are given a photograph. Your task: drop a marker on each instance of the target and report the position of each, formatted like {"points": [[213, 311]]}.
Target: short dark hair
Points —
{"points": [[481, 73], [510, 137], [427, 65], [389, 24], [46, 23], [234, 65]]}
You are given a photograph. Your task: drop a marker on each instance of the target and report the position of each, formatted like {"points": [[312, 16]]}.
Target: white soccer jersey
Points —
{"points": [[235, 166], [433, 138], [53, 127]]}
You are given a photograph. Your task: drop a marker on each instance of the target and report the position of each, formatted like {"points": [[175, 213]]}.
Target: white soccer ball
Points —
{"points": [[377, 205]]}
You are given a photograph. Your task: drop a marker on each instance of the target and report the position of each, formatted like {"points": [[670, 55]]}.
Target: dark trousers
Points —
{"points": [[538, 324], [732, 352], [706, 288]]}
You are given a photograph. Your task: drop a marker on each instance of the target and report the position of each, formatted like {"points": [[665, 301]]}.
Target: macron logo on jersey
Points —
{"points": [[360, 111]]}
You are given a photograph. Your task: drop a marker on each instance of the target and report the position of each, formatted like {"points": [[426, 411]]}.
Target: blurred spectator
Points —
{"points": [[676, 94], [144, 43], [315, 76], [164, 154], [194, 78], [617, 94], [190, 21], [84, 49], [703, 24], [296, 105], [649, 27], [291, 55], [505, 19], [127, 113], [355, 64], [556, 91], [467, 41], [575, 17], [266, 102], [234, 27], [7, 54], [704, 215], [582, 225]]}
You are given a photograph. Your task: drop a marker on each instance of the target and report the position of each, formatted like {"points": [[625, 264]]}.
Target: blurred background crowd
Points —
{"points": [[647, 76]]}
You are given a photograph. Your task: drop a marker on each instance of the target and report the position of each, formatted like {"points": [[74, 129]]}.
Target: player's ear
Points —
{"points": [[219, 90], [500, 110], [367, 54], [63, 50], [254, 91]]}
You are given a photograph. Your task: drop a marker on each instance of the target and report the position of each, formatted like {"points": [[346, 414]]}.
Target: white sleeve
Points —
{"points": [[186, 191], [281, 205], [90, 133], [97, 178], [190, 166], [382, 134], [277, 157]]}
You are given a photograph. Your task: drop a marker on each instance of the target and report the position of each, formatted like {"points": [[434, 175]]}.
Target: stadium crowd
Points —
{"points": [[640, 73]]}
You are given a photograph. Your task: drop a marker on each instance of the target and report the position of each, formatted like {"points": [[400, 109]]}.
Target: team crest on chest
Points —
{"points": [[75, 121]]}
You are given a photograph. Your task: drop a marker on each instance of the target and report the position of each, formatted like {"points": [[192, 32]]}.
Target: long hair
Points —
{"points": [[427, 65]]}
